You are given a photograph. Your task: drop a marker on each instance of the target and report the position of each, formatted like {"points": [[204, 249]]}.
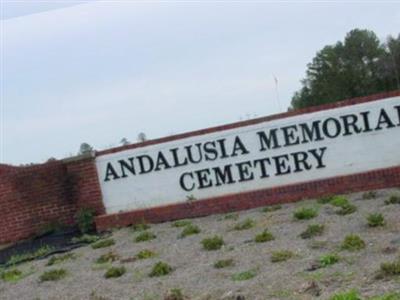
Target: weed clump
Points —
{"points": [[353, 242], [347, 209], [325, 199], [61, 258], [189, 230], [145, 236], [175, 294], [160, 269], [389, 269], [115, 272], [107, 258], [212, 243], [85, 219], [394, 199], [279, 256], [246, 224], [53, 275], [369, 195], [11, 276], [181, 223], [312, 231], [145, 254], [351, 295], [264, 236], [375, 220], [328, 260], [224, 263], [140, 227], [339, 201], [305, 213], [246, 275], [19, 258], [86, 239], [103, 243], [272, 208], [231, 216]]}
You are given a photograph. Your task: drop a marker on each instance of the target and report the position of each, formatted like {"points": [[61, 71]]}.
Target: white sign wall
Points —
{"points": [[329, 143]]}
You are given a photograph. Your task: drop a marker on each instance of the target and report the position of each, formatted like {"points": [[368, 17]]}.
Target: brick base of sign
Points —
{"points": [[376, 179]]}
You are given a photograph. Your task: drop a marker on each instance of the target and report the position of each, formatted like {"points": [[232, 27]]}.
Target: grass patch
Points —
{"points": [[245, 224], [264, 236], [393, 199], [224, 263], [145, 236], [103, 243], [145, 254], [86, 239], [369, 195], [231, 216], [175, 294], [189, 230], [181, 223], [339, 201], [389, 269], [246, 275], [325, 199], [272, 208], [212, 243], [19, 258], [346, 209], [305, 213], [279, 256], [351, 295], [11, 275], [140, 227], [375, 220], [328, 260], [312, 231], [60, 259], [107, 258], [53, 275], [115, 272], [353, 242], [160, 269]]}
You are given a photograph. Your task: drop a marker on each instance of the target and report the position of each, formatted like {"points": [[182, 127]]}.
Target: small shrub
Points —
{"points": [[264, 236], [271, 208], [53, 275], [114, 272], [339, 201], [175, 294], [246, 224], [189, 230], [325, 199], [347, 209], [212, 243], [353, 242], [160, 269], [231, 216], [86, 239], [11, 276], [61, 258], [103, 243], [351, 295], [181, 223], [312, 231], [140, 227], [144, 254], [390, 269], [375, 220], [224, 263], [107, 258], [369, 195], [145, 236], [85, 219], [393, 199], [329, 259], [279, 256], [246, 275], [305, 213]]}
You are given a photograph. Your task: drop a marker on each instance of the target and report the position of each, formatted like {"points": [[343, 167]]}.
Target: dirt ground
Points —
{"points": [[193, 271]]}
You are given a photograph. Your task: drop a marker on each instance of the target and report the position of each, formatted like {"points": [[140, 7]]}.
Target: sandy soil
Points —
{"points": [[193, 267]]}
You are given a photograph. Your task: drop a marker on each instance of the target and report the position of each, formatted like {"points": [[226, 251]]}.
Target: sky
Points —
{"points": [[98, 71]]}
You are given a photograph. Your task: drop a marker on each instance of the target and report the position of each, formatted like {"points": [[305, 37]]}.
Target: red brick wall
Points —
{"points": [[33, 196]]}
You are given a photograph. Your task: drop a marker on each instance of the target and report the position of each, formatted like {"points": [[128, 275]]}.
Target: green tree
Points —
{"points": [[85, 148], [358, 66]]}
